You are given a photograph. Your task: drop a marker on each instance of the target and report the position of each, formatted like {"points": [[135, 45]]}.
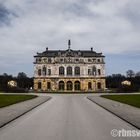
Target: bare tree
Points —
{"points": [[130, 73]]}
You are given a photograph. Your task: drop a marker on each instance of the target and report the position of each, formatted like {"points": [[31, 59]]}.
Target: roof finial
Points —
{"points": [[69, 43]]}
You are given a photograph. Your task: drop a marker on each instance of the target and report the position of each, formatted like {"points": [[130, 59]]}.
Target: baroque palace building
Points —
{"points": [[69, 71]]}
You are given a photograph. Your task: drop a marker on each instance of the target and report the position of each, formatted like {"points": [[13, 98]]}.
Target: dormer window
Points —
{"points": [[76, 60], [98, 60], [89, 60], [61, 60], [49, 60], [44, 60], [38, 60]]}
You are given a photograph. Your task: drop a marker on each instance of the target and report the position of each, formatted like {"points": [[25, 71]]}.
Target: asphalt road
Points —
{"points": [[65, 117]]}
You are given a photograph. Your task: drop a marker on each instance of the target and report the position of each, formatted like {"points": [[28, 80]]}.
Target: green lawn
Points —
{"points": [[133, 100], [6, 100]]}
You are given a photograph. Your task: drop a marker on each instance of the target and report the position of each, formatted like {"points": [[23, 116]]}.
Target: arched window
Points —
{"points": [[77, 70], [39, 72], [61, 85], [89, 86], [94, 70], [77, 85], [99, 85], [69, 70], [44, 70], [61, 70], [69, 85], [39, 85]]}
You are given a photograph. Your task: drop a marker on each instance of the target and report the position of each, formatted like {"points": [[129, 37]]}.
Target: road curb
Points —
{"points": [[26, 111], [119, 116]]}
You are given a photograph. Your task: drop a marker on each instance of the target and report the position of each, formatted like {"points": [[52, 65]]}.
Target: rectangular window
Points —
{"points": [[99, 72], [89, 71], [48, 85], [49, 71], [44, 71], [98, 60], [39, 72]]}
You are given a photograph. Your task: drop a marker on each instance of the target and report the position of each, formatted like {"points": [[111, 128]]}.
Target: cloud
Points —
{"points": [[31, 25]]}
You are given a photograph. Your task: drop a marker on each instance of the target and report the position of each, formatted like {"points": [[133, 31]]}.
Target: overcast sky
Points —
{"points": [[109, 26]]}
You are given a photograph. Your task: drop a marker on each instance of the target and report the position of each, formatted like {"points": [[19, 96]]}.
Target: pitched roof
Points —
{"points": [[69, 53]]}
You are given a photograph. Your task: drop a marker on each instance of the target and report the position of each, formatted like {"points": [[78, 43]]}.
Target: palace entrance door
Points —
{"points": [[69, 85]]}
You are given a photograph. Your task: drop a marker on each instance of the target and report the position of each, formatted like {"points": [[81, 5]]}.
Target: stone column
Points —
{"points": [[73, 85], [43, 85], [73, 70], [94, 85], [35, 84], [65, 87]]}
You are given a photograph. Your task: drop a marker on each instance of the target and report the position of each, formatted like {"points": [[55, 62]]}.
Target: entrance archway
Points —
{"points": [[77, 85], [61, 85], [99, 85], [69, 85], [39, 85], [89, 86]]}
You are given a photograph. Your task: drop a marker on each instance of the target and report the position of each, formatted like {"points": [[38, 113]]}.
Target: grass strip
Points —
{"points": [[6, 100], [131, 99]]}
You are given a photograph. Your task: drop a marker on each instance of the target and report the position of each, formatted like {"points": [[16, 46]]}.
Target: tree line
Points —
{"points": [[24, 83], [114, 82]]}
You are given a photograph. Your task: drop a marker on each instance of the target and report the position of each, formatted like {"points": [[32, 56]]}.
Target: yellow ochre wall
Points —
{"points": [[55, 83]]}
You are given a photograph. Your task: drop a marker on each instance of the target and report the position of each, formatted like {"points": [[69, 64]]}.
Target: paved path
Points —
{"points": [[9, 113], [65, 117], [128, 113]]}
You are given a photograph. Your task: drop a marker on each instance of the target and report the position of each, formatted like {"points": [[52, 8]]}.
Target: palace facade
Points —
{"points": [[69, 71]]}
